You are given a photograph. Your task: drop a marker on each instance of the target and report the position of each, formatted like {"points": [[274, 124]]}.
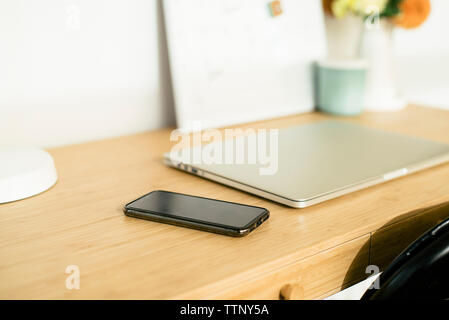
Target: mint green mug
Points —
{"points": [[341, 86]]}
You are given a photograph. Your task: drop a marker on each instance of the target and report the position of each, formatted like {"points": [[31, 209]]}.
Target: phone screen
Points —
{"points": [[197, 209]]}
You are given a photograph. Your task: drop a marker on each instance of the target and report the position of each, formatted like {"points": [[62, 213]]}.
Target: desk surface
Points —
{"points": [[80, 220]]}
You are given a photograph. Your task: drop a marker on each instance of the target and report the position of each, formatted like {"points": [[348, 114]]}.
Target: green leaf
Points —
{"points": [[391, 9]]}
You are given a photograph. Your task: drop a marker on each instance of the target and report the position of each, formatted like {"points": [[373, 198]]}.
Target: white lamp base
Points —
{"points": [[25, 172]]}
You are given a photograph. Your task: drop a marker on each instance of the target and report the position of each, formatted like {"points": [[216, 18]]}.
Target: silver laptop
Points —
{"points": [[310, 163]]}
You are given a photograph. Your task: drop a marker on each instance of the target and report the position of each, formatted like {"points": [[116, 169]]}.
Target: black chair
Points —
{"points": [[420, 272]]}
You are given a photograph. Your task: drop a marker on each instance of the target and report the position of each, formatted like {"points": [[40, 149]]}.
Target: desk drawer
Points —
{"points": [[387, 243], [311, 277]]}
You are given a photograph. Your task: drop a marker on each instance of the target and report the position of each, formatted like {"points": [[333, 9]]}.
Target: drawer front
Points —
{"points": [[389, 242], [311, 277]]}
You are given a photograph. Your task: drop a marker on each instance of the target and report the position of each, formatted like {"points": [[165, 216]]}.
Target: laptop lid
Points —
{"points": [[314, 162]]}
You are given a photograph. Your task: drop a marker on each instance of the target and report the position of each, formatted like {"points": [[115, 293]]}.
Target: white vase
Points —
{"points": [[376, 47], [343, 37]]}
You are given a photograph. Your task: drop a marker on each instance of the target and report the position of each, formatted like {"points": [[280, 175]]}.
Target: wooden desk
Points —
{"points": [[316, 251]]}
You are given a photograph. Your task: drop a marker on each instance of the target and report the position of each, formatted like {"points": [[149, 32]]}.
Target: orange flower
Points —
{"points": [[413, 13]]}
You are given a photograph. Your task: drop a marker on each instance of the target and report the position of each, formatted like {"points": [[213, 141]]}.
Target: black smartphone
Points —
{"points": [[228, 218]]}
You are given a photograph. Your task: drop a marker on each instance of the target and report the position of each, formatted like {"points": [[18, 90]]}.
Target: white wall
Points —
{"points": [[422, 57], [79, 70]]}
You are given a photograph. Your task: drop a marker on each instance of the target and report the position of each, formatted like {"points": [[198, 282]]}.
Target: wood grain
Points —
{"points": [[308, 278], [80, 221]]}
